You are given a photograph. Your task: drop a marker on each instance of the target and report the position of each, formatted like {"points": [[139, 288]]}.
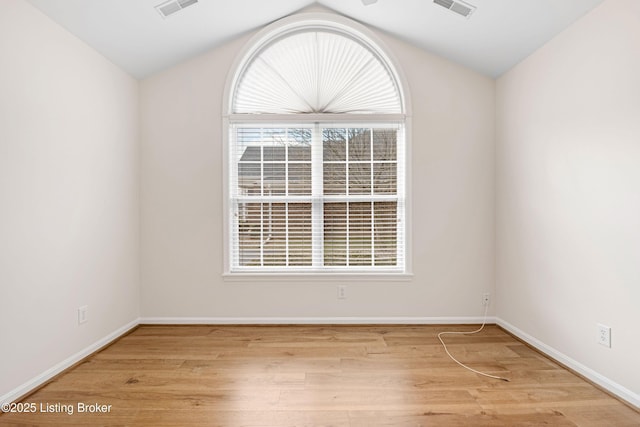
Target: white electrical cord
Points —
{"points": [[486, 309]]}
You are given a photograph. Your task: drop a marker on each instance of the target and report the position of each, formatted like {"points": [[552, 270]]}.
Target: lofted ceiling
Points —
{"points": [[133, 35]]}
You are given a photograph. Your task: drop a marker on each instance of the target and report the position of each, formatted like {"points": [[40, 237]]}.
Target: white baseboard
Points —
{"points": [[34, 383], [313, 320], [604, 382]]}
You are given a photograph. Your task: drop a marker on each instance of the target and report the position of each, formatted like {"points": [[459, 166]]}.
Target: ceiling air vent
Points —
{"points": [[170, 7], [457, 6]]}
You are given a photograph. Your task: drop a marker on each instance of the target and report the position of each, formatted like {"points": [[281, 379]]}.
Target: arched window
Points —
{"points": [[316, 153]]}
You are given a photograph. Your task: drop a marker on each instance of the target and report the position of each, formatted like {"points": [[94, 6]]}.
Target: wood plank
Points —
{"points": [[455, 419], [313, 375]]}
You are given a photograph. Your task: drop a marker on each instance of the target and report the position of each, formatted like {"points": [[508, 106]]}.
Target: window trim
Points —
{"points": [[258, 42], [318, 267]]}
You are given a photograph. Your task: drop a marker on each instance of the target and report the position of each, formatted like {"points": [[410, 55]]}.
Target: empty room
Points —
{"points": [[332, 212]]}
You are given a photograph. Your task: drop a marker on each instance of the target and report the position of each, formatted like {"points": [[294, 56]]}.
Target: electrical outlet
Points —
{"points": [[604, 335], [342, 292], [82, 314], [486, 299]]}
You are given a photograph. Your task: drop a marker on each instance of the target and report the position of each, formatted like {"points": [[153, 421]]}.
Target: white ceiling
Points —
{"points": [[133, 35]]}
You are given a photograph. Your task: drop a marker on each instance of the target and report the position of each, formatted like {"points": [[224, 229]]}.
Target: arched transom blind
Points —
{"points": [[316, 71]]}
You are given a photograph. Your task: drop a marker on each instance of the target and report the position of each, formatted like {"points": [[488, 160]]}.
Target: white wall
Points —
{"points": [[182, 217], [68, 195], [568, 193]]}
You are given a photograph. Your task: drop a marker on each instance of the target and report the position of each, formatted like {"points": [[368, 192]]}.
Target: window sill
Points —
{"points": [[316, 277]]}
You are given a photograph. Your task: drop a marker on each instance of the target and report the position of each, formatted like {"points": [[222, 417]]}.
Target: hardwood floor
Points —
{"points": [[319, 376]]}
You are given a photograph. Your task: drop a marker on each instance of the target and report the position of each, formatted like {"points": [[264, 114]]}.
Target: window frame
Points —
{"points": [[263, 38]]}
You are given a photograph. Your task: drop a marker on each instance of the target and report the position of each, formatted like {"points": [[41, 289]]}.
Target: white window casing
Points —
{"points": [[316, 148]]}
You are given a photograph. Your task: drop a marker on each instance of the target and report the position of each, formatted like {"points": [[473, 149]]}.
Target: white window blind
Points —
{"points": [[316, 157], [317, 197], [316, 72]]}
